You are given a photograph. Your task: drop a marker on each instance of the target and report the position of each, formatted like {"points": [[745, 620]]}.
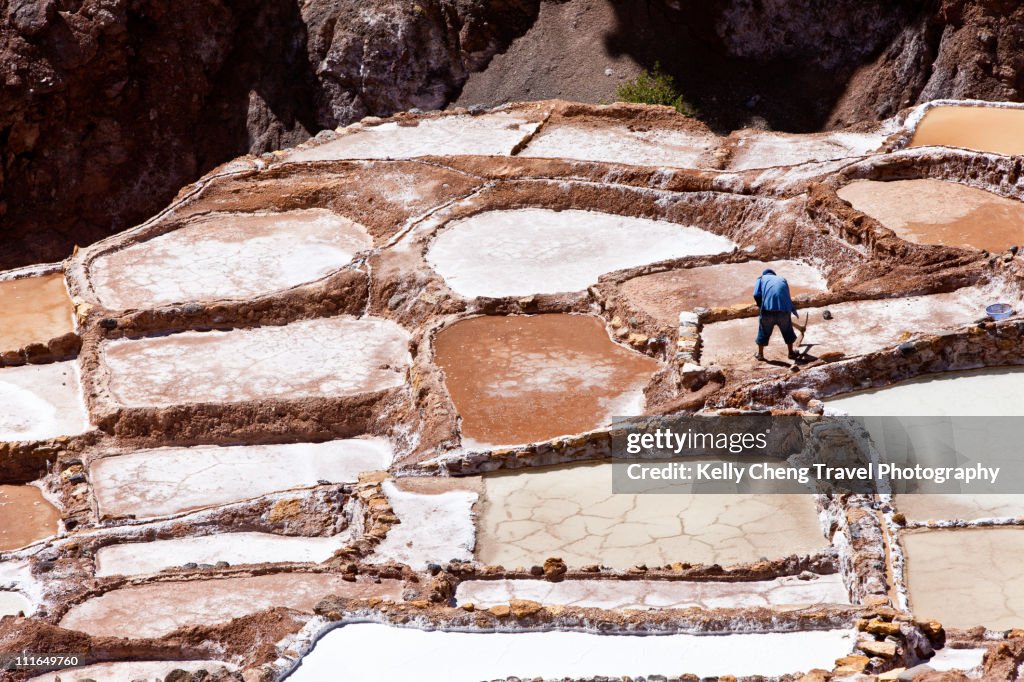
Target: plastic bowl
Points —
{"points": [[999, 311]]}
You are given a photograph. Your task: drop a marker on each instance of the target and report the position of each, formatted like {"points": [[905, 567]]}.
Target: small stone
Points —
{"points": [[523, 608], [108, 323], [807, 575], [880, 649], [826, 314], [852, 664], [468, 606], [880, 627], [500, 610], [433, 569]]}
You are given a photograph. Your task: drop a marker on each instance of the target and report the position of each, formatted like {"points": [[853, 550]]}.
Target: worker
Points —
{"points": [[771, 293]]}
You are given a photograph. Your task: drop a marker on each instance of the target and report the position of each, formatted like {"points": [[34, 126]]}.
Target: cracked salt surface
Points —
{"points": [[620, 144], [989, 565], [228, 256], [435, 527], [235, 548], [439, 656], [771, 150], [571, 513], [130, 670], [540, 251], [41, 401], [329, 357], [658, 594], [495, 134], [171, 605], [152, 483]]}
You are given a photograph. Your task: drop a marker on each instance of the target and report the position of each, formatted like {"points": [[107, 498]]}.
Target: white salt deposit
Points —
{"points": [[328, 357], [130, 670], [534, 250], [435, 528], [657, 594], [494, 134], [964, 660], [164, 481], [41, 401], [228, 256], [235, 548], [459, 656], [977, 393], [619, 144], [13, 603], [770, 150]]}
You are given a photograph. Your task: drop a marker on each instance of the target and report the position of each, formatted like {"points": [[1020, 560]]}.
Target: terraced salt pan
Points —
{"points": [[989, 567], [235, 548], [228, 256], [935, 398], [754, 149], [571, 513], [130, 670], [332, 357], [540, 251], [436, 526], [664, 294], [657, 594], [856, 327], [152, 483], [171, 605], [619, 144], [41, 401], [438, 656], [34, 310], [521, 379], [13, 603], [982, 128], [495, 134], [25, 516], [937, 212]]}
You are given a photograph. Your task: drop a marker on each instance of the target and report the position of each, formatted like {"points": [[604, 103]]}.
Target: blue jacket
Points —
{"points": [[771, 293]]}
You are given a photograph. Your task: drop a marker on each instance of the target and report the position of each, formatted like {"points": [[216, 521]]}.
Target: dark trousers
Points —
{"points": [[768, 320]]}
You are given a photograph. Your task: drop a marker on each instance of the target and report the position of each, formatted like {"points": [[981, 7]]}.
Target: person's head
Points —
{"points": [[768, 271]]}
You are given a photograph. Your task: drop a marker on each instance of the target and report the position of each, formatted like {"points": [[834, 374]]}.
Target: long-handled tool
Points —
{"points": [[802, 328]]}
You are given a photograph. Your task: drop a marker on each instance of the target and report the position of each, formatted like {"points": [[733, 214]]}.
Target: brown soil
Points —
{"points": [[33, 310], [524, 379], [25, 516]]}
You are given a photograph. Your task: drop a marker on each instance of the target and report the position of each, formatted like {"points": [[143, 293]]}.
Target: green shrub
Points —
{"points": [[654, 87]]}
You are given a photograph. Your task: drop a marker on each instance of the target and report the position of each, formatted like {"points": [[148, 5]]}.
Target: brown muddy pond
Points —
{"points": [[986, 129], [938, 212], [25, 516], [522, 379], [35, 310]]}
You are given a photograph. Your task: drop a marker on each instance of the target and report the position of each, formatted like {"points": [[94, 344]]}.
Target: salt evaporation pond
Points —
{"points": [[663, 295], [329, 357], [967, 577], [439, 656], [926, 404], [620, 144], [12, 603], [41, 401], [25, 516], [520, 379], [130, 670], [982, 128], [541, 251], [939, 212], [136, 558], [489, 135], [171, 605], [228, 256], [34, 310], [164, 481], [787, 591], [572, 513]]}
